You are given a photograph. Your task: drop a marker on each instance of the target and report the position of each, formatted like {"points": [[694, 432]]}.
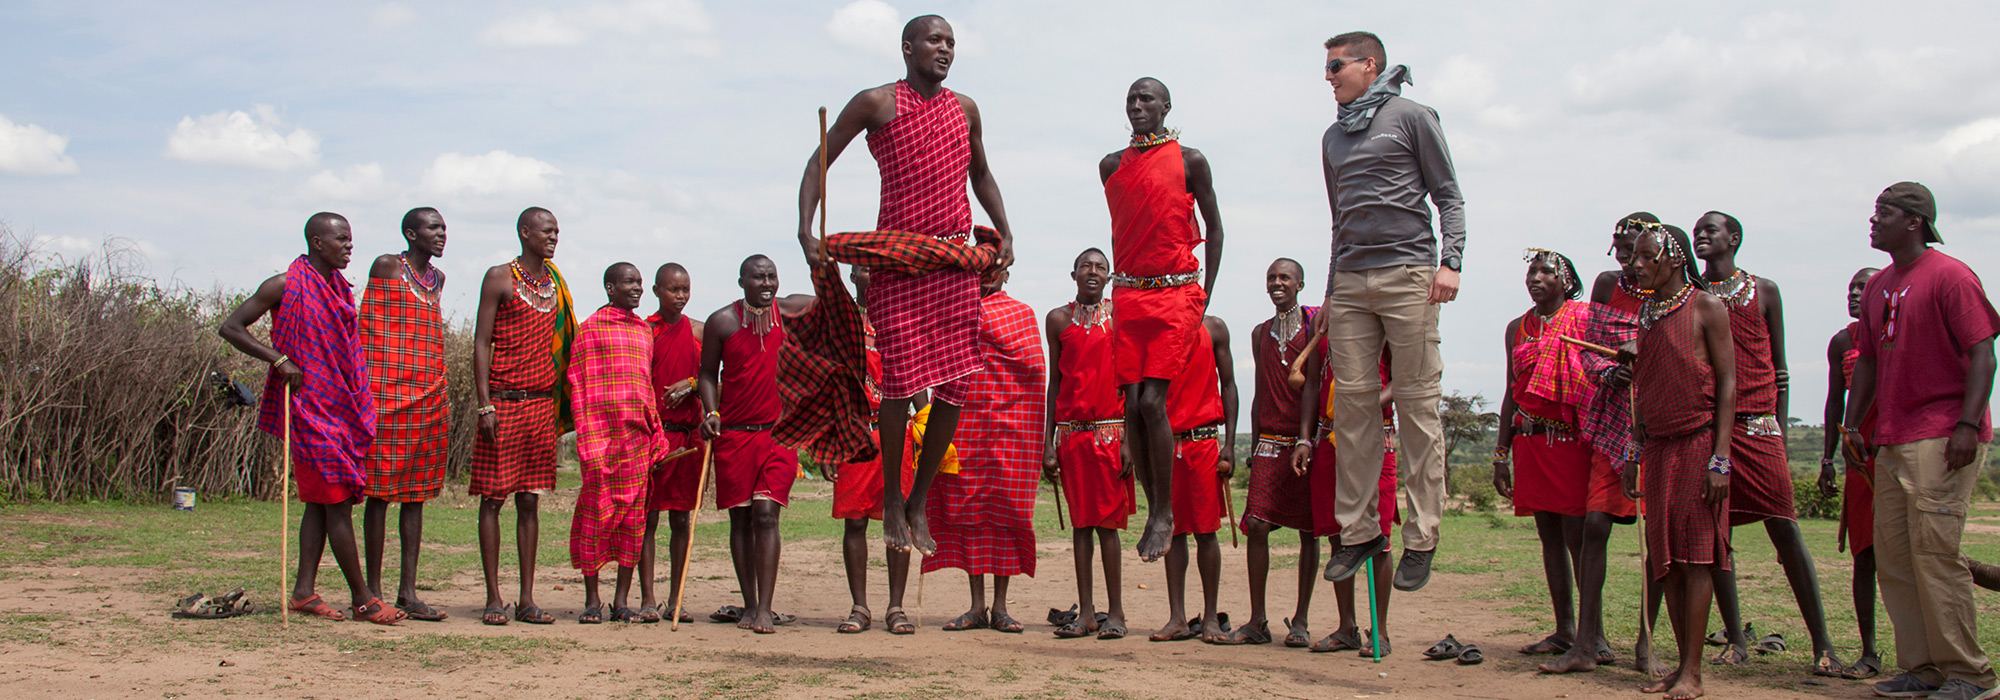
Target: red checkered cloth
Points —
{"points": [[1607, 419], [915, 253], [618, 436], [1675, 388], [1760, 486], [822, 374], [1277, 495], [332, 413], [1756, 370], [983, 517], [521, 457], [403, 335]]}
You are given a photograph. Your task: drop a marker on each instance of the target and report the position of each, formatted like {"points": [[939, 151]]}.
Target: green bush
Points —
{"points": [[1810, 503]]}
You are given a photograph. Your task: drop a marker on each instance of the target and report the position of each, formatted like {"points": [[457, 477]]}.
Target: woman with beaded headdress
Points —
{"points": [[1542, 460], [1684, 401]]}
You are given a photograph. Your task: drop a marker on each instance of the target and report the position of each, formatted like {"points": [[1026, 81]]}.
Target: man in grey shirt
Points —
{"points": [[1382, 157]]}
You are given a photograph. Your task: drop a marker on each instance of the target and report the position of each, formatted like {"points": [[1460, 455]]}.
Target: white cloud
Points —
{"points": [[497, 172], [31, 150], [391, 15], [240, 139], [869, 25], [686, 20], [353, 182], [1465, 86]]}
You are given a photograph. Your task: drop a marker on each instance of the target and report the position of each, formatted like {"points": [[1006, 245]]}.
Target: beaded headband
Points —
{"points": [[1561, 264]]}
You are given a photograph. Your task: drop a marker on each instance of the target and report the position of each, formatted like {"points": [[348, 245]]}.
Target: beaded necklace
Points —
{"points": [[425, 286], [759, 321], [1654, 310], [1736, 289], [1285, 325], [1090, 315], [539, 295], [1156, 138]]}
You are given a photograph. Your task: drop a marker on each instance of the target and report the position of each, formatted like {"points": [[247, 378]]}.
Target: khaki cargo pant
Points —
{"points": [[1920, 509], [1371, 309]]}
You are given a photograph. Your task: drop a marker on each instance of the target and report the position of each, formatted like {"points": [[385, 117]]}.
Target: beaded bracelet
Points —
{"points": [[282, 359], [1720, 464], [483, 410]]}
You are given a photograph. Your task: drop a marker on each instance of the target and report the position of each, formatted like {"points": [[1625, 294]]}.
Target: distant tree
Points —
{"points": [[1465, 420]]}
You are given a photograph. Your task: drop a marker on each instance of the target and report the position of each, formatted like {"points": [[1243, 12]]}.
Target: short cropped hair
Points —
{"points": [[1364, 43]]}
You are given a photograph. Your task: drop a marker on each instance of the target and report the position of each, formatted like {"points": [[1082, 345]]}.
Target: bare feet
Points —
{"points": [[1573, 661], [1159, 529], [895, 530], [1643, 660], [1174, 631], [1661, 685], [920, 533], [1688, 689], [1211, 632], [764, 622]]}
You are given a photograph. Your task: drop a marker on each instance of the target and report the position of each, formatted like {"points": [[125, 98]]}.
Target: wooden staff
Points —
{"points": [[824, 256], [285, 517], [1587, 345], [1645, 555], [1298, 376], [1229, 504], [677, 454], [920, 586], [687, 557], [1062, 523]]}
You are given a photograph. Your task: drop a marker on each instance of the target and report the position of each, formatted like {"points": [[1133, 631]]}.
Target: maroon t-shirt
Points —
{"points": [[1917, 322]]}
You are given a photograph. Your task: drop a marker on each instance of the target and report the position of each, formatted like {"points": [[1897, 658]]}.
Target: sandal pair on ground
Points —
{"points": [[374, 611], [1068, 627], [858, 621], [1463, 654], [980, 620], [202, 607]]}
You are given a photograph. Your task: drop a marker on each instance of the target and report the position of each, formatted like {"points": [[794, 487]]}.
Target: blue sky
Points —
{"points": [[662, 130]]}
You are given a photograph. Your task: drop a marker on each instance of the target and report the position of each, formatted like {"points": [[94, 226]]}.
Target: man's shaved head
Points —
{"points": [[1165, 95], [673, 268], [528, 217], [919, 24], [743, 270], [322, 223], [1297, 269], [617, 269], [1087, 252]]}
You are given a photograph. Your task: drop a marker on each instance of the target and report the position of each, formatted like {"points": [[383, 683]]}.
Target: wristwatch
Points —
{"points": [[1453, 263]]}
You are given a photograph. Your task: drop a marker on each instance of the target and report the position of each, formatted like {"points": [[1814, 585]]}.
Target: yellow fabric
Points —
{"points": [[917, 425]]}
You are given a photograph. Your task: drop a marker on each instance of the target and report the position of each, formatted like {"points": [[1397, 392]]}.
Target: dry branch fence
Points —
{"points": [[108, 384]]}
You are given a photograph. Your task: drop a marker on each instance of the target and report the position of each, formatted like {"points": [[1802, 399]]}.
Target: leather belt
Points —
{"points": [[1206, 432], [518, 395], [748, 427], [678, 427]]}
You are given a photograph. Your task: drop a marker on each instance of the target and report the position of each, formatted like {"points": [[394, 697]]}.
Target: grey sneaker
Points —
{"points": [[1414, 570], [1349, 558], [1956, 689], [1904, 686]]}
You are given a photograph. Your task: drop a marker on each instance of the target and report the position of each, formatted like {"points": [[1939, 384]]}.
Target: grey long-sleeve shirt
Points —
{"points": [[1376, 181]]}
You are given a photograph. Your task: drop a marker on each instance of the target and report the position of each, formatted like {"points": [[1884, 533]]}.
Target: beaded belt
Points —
{"points": [[1103, 431], [1759, 424], [1273, 446], [1206, 432], [1537, 425], [518, 395], [1120, 279]]}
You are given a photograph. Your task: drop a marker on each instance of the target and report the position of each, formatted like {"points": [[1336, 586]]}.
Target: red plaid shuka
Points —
{"points": [[983, 517], [914, 253], [403, 334], [522, 455], [618, 436], [927, 326], [822, 375], [1607, 419], [333, 415], [1760, 486], [1675, 388], [1277, 495]]}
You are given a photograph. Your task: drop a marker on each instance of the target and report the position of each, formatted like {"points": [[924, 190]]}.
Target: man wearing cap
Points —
{"points": [[1926, 366]]}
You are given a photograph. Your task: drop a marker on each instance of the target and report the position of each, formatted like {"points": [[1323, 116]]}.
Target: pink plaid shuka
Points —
{"points": [[618, 436], [927, 327], [983, 516]]}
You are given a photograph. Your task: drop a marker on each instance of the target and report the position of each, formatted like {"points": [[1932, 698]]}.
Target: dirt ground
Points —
{"points": [[96, 633]]}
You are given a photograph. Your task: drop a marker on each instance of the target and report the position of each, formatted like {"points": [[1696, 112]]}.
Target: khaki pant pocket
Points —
{"points": [[1938, 525]]}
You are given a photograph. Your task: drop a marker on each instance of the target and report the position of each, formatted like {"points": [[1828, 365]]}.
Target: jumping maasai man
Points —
{"points": [[985, 513], [1761, 487], [1320, 458], [1280, 494], [316, 351], [618, 439], [753, 473], [927, 144], [1857, 505], [520, 349], [1085, 442], [1153, 188], [1608, 425], [402, 330], [676, 360], [1547, 394], [1684, 384], [1201, 408], [857, 498]]}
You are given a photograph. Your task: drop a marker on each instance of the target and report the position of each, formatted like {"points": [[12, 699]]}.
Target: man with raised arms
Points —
{"points": [[402, 331], [753, 473], [676, 361], [1085, 439], [1389, 275], [927, 144], [520, 351], [1154, 187], [316, 363]]}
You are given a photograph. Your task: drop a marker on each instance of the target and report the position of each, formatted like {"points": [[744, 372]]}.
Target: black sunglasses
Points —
{"points": [[1335, 65]]}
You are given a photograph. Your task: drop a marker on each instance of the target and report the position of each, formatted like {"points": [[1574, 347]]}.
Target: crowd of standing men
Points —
{"points": [[927, 395]]}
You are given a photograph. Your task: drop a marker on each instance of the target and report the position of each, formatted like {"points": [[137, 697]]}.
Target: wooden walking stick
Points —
{"points": [[1062, 523], [1645, 552], [824, 256], [285, 517], [1298, 376], [687, 557], [1229, 504]]}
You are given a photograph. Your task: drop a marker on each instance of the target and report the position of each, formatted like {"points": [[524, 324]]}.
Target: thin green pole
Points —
{"points": [[1374, 620]]}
